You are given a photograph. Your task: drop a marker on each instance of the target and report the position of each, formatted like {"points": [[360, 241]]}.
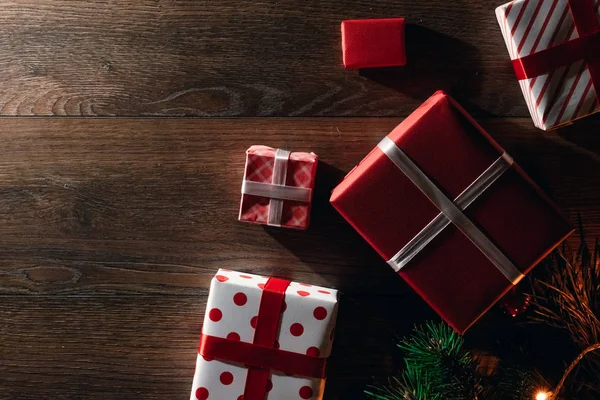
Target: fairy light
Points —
{"points": [[542, 396]]}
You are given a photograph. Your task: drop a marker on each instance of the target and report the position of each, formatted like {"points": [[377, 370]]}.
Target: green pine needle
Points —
{"points": [[513, 382], [437, 367], [438, 351]]}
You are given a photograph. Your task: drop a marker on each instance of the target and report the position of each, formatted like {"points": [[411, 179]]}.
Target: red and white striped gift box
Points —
{"points": [[566, 93], [301, 171]]}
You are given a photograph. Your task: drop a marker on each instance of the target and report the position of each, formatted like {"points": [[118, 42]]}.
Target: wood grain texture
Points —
{"points": [[240, 58], [127, 347], [73, 347], [150, 206], [112, 228]]}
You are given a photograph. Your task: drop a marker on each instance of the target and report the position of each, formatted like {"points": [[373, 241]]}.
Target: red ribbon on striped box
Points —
{"points": [[555, 51]]}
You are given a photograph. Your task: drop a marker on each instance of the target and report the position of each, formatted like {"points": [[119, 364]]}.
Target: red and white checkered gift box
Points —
{"points": [[299, 172], [555, 48]]}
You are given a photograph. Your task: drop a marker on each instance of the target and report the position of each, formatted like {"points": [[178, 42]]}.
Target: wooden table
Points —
{"points": [[111, 228]]}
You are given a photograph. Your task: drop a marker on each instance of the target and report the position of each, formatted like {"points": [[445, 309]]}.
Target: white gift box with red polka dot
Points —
{"points": [[306, 327]]}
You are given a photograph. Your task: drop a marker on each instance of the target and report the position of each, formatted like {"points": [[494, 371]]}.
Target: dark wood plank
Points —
{"points": [[85, 348], [240, 58], [138, 346], [101, 206]]}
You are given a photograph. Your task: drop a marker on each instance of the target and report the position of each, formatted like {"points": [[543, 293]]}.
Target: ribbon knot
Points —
{"points": [[450, 211]]}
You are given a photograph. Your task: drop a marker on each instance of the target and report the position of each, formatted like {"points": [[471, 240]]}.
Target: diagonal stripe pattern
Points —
{"points": [[566, 93]]}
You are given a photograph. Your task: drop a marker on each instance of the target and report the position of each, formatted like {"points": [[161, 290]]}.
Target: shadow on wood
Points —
{"points": [[583, 134], [329, 238], [366, 321], [433, 60]]}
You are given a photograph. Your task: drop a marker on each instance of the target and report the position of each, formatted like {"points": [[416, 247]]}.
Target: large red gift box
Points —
{"points": [[277, 187], [507, 224]]}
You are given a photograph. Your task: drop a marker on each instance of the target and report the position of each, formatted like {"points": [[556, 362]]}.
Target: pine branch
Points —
{"points": [[437, 367], [411, 386], [513, 382], [438, 350], [570, 299]]}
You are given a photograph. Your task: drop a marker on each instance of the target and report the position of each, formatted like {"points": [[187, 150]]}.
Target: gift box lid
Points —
{"points": [[371, 43], [234, 301], [388, 210]]}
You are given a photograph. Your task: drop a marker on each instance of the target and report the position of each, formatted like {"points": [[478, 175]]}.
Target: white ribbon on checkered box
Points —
{"points": [[277, 191]]}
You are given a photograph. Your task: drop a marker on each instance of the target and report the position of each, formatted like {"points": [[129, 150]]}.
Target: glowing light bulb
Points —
{"points": [[541, 396]]}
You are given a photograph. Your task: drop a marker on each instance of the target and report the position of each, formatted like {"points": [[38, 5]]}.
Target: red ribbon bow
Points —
{"points": [[261, 356], [586, 47]]}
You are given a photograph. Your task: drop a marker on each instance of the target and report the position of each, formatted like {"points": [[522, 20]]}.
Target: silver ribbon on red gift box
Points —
{"points": [[451, 211]]}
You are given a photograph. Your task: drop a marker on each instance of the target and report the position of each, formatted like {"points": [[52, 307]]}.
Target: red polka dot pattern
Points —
{"points": [[239, 308], [215, 315], [202, 393], [296, 329], [320, 313], [226, 378], [240, 299], [313, 352], [207, 359], [306, 392]]}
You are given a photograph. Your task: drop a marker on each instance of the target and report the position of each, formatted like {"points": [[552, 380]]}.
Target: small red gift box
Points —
{"points": [[277, 187], [370, 43], [448, 208]]}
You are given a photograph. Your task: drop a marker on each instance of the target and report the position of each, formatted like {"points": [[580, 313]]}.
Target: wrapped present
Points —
{"points": [[555, 50], [264, 338], [450, 211], [369, 43], [277, 187]]}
